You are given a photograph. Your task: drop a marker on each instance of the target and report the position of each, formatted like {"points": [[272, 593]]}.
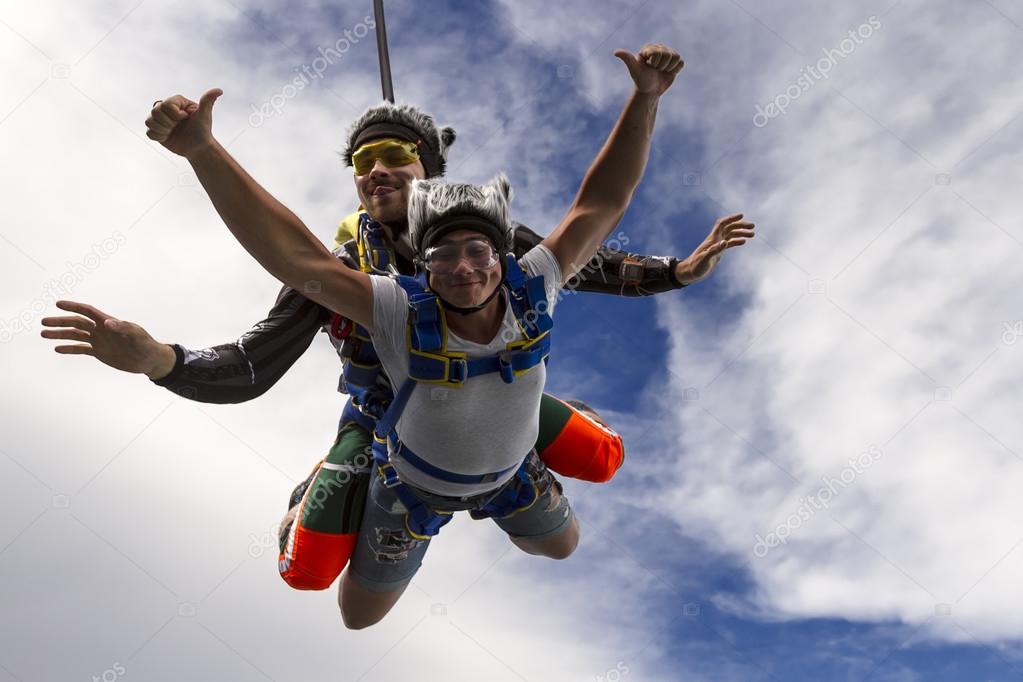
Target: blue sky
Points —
{"points": [[889, 185]]}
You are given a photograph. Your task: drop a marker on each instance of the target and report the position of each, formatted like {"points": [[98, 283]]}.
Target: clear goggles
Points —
{"points": [[392, 153], [444, 259]]}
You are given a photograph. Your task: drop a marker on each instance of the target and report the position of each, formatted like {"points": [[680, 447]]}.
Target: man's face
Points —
{"points": [[384, 191], [465, 286]]}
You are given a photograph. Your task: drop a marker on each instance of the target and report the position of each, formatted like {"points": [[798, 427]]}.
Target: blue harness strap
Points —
{"points": [[419, 463], [361, 365], [376, 255], [422, 521], [352, 413], [518, 495], [431, 362]]}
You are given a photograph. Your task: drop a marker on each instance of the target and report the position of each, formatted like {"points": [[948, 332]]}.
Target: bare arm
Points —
{"points": [[270, 232], [615, 173]]}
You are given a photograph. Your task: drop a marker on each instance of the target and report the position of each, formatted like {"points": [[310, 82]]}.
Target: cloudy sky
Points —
{"points": [[823, 459]]}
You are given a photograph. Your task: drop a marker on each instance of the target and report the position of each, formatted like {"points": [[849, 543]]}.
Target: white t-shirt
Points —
{"points": [[484, 426]]}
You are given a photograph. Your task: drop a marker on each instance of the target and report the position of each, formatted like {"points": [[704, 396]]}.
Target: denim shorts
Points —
{"points": [[386, 557]]}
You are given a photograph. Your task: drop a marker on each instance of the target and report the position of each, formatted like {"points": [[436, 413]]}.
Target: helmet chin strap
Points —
{"points": [[469, 311]]}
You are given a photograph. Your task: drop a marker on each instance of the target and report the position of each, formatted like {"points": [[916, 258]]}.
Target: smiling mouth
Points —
{"points": [[381, 190]]}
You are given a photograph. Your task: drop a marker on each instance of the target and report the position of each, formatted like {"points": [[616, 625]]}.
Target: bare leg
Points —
{"points": [[361, 608], [558, 546]]}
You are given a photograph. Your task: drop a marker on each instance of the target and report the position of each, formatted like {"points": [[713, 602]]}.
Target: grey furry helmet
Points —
{"points": [[405, 122], [436, 207]]}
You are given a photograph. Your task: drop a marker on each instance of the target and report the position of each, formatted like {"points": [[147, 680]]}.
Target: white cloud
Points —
{"points": [[126, 509], [893, 184], [806, 380]]}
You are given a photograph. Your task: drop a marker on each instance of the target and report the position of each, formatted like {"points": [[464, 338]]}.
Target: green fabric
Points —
{"points": [[334, 503], [554, 415]]}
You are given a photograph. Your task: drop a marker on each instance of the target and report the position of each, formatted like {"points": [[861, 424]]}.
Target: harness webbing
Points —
{"points": [[431, 362]]}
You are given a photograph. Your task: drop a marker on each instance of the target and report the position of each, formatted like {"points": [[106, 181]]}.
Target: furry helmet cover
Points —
{"points": [[436, 207]]}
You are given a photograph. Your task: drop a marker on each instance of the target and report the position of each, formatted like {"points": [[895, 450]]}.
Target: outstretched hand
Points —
{"points": [[122, 345], [653, 70], [181, 125], [728, 232]]}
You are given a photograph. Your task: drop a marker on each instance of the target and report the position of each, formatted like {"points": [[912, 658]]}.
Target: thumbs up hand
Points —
{"points": [[653, 70], [181, 125]]}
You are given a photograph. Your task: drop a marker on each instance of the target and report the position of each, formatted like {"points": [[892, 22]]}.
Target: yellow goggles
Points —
{"points": [[392, 153]]}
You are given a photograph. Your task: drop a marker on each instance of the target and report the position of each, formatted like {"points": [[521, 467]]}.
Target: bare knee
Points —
{"points": [[357, 617], [569, 540], [354, 613], [559, 552], [361, 608], [560, 546], [357, 621]]}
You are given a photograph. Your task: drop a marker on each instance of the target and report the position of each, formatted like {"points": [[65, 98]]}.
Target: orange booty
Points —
{"points": [[585, 449], [313, 560]]}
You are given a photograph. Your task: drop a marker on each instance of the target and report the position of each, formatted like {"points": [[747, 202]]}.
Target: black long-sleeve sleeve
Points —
{"points": [[243, 370], [613, 271], [247, 368]]}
